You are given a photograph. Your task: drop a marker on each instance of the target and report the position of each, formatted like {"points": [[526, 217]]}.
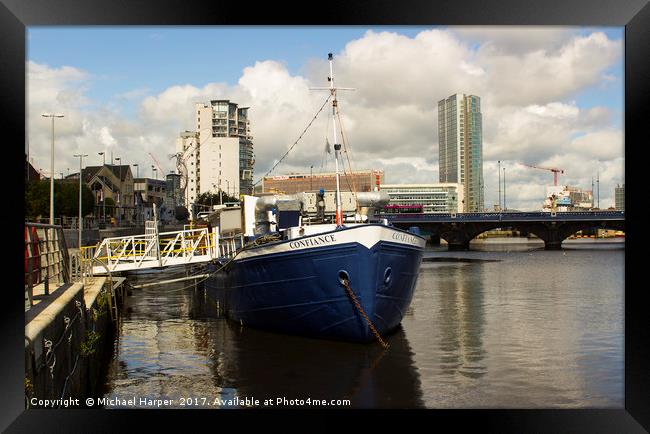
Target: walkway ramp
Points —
{"points": [[154, 250]]}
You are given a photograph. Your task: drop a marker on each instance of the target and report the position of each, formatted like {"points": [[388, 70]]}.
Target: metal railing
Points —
{"points": [[46, 257], [228, 246], [155, 249]]}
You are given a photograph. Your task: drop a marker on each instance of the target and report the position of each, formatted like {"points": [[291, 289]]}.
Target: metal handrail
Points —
{"points": [[146, 250]]}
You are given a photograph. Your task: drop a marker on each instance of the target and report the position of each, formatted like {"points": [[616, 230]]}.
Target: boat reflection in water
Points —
{"points": [[269, 366]]}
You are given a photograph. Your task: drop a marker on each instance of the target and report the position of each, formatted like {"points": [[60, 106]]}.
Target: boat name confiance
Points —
{"points": [[316, 241], [405, 238]]}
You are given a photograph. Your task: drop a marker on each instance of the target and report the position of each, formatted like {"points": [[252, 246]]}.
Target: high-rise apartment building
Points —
{"points": [[219, 153], [460, 151]]}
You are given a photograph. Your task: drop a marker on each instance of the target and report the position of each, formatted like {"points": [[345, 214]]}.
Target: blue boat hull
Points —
{"points": [[301, 292]]}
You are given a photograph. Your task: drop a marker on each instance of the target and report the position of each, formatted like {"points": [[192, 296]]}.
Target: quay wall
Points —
{"points": [[67, 338]]}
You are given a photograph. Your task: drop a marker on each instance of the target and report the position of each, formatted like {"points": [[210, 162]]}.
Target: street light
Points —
{"points": [[504, 189], [80, 223], [311, 177], [48, 115], [119, 196], [499, 171]]}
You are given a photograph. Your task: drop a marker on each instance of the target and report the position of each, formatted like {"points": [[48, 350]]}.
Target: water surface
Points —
{"points": [[507, 325]]}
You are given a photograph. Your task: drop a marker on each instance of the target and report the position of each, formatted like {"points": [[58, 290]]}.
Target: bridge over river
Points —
{"points": [[459, 229]]}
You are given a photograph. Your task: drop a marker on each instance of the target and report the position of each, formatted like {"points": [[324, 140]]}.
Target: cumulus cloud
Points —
{"points": [[527, 78]]}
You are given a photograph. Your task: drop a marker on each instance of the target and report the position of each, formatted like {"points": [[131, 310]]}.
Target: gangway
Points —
{"points": [[159, 250]]}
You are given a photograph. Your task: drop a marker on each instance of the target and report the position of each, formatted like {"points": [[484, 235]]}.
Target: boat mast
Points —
{"points": [[337, 145]]}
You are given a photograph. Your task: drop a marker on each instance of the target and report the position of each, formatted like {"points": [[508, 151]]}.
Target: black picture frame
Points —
{"points": [[16, 15]]}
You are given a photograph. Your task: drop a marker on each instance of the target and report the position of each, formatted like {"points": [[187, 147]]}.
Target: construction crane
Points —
{"points": [[157, 164], [552, 169]]}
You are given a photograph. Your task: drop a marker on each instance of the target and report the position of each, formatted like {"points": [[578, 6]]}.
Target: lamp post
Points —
{"points": [[80, 224], [103, 158], [504, 189], [119, 197], [311, 177], [52, 116], [499, 161]]}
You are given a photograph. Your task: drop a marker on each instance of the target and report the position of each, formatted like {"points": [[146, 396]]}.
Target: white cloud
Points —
{"points": [[527, 79]]}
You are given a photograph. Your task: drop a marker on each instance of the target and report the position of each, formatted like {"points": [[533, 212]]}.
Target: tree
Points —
{"points": [[37, 199], [208, 199], [181, 213], [66, 199]]}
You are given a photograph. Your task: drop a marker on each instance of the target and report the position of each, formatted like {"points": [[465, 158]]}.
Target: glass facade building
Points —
{"points": [[434, 198], [460, 147]]}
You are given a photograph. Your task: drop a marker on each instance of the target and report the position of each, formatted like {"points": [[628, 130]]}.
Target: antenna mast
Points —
{"points": [[337, 146]]}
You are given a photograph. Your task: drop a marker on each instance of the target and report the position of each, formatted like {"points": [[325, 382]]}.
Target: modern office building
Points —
{"points": [[619, 197], [434, 198], [218, 155], [359, 180], [173, 197], [460, 147]]}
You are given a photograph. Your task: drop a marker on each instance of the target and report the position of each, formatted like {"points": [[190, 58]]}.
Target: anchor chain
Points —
{"points": [[356, 303]]}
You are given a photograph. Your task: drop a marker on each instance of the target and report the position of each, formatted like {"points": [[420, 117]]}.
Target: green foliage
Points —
{"points": [[29, 387], [89, 342], [181, 213], [209, 198], [66, 199], [37, 198]]}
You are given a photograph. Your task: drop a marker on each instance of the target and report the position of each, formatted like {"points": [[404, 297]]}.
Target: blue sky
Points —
{"points": [[122, 59]]}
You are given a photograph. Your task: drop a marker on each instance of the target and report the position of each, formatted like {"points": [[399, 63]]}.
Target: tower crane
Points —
{"points": [[552, 169], [157, 164]]}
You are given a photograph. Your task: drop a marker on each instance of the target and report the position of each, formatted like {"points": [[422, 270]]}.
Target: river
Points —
{"points": [[506, 325]]}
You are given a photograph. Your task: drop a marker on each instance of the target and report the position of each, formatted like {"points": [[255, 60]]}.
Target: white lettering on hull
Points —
{"points": [[368, 236]]}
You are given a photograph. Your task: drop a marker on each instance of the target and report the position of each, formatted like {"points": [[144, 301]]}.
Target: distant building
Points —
{"points": [[173, 190], [148, 192], [619, 197], [460, 147], [566, 198], [31, 174], [434, 198], [110, 181], [219, 153], [360, 180]]}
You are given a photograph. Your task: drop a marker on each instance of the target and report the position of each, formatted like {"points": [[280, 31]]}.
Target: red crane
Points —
{"points": [[157, 164], [552, 169]]}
